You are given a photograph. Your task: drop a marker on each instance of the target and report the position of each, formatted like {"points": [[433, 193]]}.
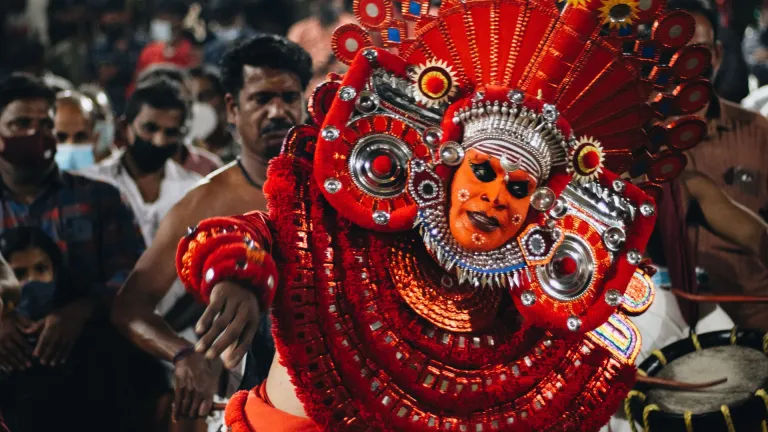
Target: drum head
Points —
{"points": [[739, 404], [745, 368]]}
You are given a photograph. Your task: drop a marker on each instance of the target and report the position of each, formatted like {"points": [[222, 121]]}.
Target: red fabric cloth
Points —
{"points": [[255, 413], [159, 52]]}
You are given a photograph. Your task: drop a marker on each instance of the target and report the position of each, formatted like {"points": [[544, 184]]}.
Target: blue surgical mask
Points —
{"points": [[36, 299], [74, 157]]}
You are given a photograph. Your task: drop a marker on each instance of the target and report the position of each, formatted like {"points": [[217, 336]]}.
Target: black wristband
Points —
{"points": [[184, 352]]}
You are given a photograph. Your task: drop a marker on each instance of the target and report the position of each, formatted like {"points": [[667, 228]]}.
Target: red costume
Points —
{"points": [[500, 122]]}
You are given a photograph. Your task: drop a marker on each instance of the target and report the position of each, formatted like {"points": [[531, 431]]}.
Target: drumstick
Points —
{"points": [[677, 385], [219, 407], [702, 298]]}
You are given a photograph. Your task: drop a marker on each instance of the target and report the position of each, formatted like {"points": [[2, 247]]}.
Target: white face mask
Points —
{"points": [[160, 30], [203, 121], [228, 34], [74, 157]]}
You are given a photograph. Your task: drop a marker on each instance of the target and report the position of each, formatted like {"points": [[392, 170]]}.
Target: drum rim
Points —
{"points": [[755, 406]]}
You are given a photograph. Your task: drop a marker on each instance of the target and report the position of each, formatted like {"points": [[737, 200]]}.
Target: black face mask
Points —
{"points": [[150, 158]]}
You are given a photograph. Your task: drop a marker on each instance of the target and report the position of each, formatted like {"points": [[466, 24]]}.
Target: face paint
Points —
{"points": [[488, 204]]}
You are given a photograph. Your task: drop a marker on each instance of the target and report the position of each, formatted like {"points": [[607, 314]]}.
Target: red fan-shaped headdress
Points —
{"points": [[608, 72], [596, 94]]}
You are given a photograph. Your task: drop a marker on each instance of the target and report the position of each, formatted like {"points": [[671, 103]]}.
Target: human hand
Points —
{"points": [[196, 381], [58, 333], [228, 324], [15, 350]]}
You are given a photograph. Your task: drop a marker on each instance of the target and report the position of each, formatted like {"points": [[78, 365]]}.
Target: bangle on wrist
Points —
{"points": [[182, 353]]}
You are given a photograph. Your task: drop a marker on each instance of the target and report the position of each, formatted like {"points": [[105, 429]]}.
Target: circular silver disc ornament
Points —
{"points": [[332, 185], [573, 323], [543, 199], [613, 298], [451, 153], [367, 102], [613, 238]]}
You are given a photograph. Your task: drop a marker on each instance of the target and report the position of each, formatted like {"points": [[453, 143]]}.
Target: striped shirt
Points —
{"points": [[735, 157], [94, 228]]}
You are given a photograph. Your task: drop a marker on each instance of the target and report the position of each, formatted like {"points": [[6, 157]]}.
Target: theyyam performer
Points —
{"points": [[459, 245]]}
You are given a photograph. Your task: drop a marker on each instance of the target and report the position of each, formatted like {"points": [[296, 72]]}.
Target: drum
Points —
{"points": [[738, 404]]}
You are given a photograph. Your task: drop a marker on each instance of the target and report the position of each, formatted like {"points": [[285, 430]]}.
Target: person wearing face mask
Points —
{"points": [[100, 241], [192, 158], [208, 93], [264, 79], [74, 129], [166, 30], [154, 124], [104, 121], [115, 51], [228, 25]]}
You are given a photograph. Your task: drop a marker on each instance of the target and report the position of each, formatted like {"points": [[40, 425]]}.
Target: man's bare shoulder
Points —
{"points": [[224, 192]]}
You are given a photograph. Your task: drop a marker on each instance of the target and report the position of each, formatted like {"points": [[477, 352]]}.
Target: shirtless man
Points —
{"points": [[264, 79]]}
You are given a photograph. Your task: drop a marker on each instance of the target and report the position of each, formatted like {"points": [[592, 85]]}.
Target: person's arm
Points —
{"points": [[196, 371], [227, 263], [134, 308], [727, 218]]}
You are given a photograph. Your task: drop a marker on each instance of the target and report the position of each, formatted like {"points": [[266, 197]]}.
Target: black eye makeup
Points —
{"points": [[518, 188], [483, 171]]}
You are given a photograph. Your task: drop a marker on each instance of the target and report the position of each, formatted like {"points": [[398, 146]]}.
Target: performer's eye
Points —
{"points": [[483, 171], [518, 189]]}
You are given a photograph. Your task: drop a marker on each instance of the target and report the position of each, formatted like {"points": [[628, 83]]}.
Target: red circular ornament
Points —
{"points": [[590, 160], [435, 82], [667, 166], [382, 166], [322, 99], [348, 40], [365, 169], [566, 266], [373, 14], [648, 10], [674, 29], [653, 190], [685, 133], [693, 96], [691, 61]]}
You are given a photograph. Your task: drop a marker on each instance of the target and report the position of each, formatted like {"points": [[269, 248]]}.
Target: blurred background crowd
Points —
{"points": [[151, 96]]}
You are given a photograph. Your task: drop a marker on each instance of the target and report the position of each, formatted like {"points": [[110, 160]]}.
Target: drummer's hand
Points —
{"points": [[15, 350], [229, 323], [196, 381]]}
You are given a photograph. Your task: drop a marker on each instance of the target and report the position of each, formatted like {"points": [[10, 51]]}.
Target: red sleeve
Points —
{"points": [[234, 248]]}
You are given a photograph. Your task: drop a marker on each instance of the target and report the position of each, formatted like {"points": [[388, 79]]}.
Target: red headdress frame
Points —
{"points": [[588, 60]]}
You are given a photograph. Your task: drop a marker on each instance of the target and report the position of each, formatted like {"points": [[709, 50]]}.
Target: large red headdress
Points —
{"points": [[582, 93]]}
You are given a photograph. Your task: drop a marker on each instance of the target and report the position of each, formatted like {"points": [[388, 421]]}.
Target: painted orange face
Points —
{"points": [[488, 205]]}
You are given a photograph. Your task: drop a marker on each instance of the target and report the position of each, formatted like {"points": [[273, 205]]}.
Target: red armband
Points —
{"points": [[222, 249]]}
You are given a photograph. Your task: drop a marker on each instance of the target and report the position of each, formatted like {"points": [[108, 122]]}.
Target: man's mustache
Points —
{"points": [[278, 125]]}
